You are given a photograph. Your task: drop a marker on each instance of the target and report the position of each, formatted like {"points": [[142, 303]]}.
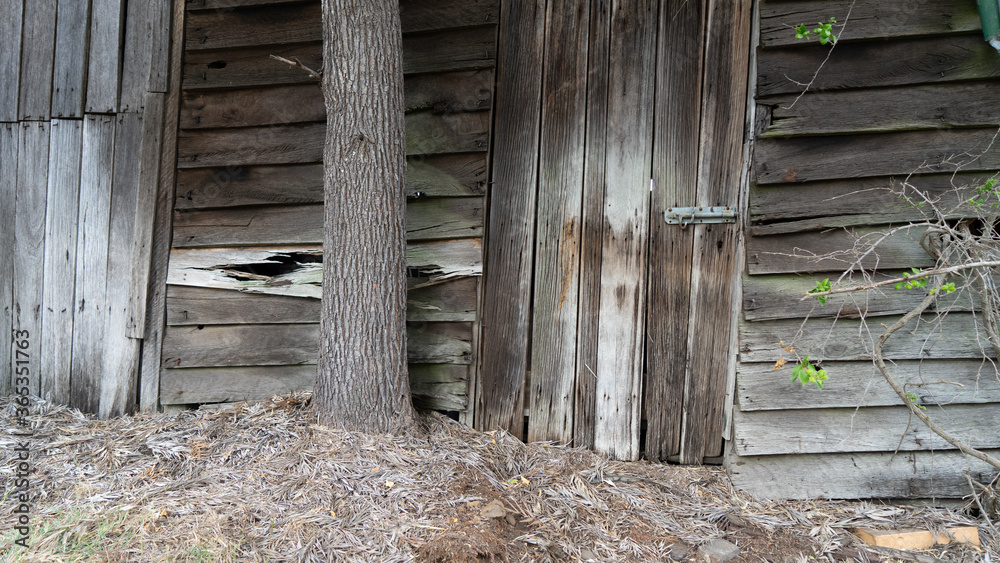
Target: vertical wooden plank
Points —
{"points": [[159, 61], [8, 191], [156, 295], [105, 56], [512, 212], [121, 353], [557, 240], [91, 315], [145, 211], [29, 231], [680, 45], [70, 58], [626, 228], [11, 20], [585, 401], [61, 208], [36, 59], [137, 56], [727, 54]]}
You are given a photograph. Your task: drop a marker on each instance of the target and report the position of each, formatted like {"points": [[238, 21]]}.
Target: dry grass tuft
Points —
{"points": [[264, 483]]}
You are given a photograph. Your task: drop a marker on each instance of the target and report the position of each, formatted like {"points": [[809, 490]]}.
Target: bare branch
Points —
{"points": [[923, 274], [298, 64]]}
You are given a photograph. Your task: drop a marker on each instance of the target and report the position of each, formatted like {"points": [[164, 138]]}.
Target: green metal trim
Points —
{"points": [[989, 14]]}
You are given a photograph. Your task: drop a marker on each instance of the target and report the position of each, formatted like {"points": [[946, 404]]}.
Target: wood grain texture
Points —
{"points": [[949, 337], [680, 44], [446, 175], [428, 132], [11, 21], [71, 47], [938, 106], [871, 429], [876, 63], [449, 50], [104, 61], [28, 248], [450, 92], [869, 19], [778, 297], [558, 219], [511, 237], [621, 335], [835, 250], [225, 384], [188, 305], [859, 475], [253, 26], [427, 219], [162, 28], [119, 374], [432, 15], [91, 316], [150, 154], [592, 225], [286, 344], [859, 384], [149, 377], [37, 50], [439, 386], [136, 57], [858, 156], [226, 5], [58, 287], [714, 264], [249, 66], [252, 107], [279, 144], [8, 192]]}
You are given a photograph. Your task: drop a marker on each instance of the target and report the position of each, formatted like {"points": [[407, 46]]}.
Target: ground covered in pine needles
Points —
{"points": [[264, 483]]}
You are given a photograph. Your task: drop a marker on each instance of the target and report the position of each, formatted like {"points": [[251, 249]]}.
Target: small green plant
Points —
{"points": [[913, 398], [986, 192], [821, 286], [807, 373], [910, 284], [824, 32]]}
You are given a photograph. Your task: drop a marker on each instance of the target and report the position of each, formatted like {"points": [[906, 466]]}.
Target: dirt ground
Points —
{"points": [[265, 483]]}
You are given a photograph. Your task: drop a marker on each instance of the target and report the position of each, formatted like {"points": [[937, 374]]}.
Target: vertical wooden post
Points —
{"points": [[8, 193], [557, 246], [626, 219], [723, 111], [680, 57], [511, 216]]}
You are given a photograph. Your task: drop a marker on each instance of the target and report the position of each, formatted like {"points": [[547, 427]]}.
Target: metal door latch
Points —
{"points": [[685, 216]]}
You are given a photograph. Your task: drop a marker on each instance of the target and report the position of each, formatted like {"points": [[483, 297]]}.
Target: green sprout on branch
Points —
{"points": [[824, 32], [807, 373], [821, 286], [913, 398]]}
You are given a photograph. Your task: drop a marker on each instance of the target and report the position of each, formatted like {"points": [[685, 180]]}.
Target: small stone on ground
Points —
{"points": [[719, 550]]}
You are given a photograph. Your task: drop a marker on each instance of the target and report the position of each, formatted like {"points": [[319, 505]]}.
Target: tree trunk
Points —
{"points": [[362, 381]]}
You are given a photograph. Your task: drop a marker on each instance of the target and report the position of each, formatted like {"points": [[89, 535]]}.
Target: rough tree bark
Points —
{"points": [[362, 381]]}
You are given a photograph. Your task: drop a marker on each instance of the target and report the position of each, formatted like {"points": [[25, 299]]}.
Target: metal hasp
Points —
{"points": [[685, 216], [989, 14]]}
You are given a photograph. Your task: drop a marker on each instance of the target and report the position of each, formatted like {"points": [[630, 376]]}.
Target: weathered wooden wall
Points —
{"points": [[83, 87], [910, 88], [243, 287]]}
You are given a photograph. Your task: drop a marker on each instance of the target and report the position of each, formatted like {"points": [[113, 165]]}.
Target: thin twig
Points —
{"points": [[924, 274], [298, 64]]}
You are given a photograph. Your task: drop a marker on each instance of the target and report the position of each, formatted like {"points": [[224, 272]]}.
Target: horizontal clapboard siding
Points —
{"points": [[244, 279], [900, 120]]}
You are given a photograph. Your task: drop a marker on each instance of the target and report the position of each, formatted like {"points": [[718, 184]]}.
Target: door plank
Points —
{"points": [[557, 238], [626, 228], [70, 59], [714, 266], [37, 59], [675, 177], [8, 192], [104, 61], [11, 21], [512, 209], [61, 209], [28, 248]]}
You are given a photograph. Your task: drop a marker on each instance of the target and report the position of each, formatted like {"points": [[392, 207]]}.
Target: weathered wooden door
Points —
{"points": [[608, 113]]}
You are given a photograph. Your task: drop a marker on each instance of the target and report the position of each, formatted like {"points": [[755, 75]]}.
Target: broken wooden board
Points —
{"points": [[881, 475], [859, 384], [918, 539]]}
